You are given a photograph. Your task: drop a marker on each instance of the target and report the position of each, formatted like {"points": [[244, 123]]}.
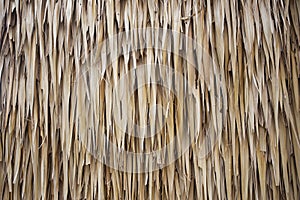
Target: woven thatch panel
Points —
{"points": [[87, 94]]}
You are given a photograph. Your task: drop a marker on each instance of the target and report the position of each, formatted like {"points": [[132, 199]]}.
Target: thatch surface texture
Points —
{"points": [[61, 85]]}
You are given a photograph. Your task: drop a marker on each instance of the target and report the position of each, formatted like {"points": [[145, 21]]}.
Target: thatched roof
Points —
{"points": [[149, 99]]}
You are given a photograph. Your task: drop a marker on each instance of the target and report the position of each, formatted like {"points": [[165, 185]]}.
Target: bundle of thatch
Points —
{"points": [[61, 110]]}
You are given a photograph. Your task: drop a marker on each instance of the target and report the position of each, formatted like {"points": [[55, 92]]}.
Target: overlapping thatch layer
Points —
{"points": [[56, 102]]}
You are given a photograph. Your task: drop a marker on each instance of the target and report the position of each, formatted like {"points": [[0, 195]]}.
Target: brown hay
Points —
{"points": [[48, 106]]}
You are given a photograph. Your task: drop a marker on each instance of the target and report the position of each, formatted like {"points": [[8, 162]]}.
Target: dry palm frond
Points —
{"points": [[56, 102]]}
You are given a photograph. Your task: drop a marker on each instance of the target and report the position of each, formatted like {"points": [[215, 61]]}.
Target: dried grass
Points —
{"points": [[46, 104]]}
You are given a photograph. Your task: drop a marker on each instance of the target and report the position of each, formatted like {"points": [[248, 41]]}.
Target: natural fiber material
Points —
{"points": [[56, 102]]}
